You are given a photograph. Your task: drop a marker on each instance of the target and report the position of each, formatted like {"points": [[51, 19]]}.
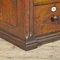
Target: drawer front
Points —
{"points": [[46, 18]]}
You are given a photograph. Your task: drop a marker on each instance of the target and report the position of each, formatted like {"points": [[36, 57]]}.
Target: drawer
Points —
{"points": [[46, 18]]}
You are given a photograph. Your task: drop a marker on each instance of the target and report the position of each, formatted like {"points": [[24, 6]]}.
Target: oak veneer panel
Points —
{"points": [[21, 21]]}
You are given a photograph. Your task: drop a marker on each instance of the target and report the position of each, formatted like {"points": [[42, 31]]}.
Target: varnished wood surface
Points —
{"points": [[42, 19], [43, 1], [12, 17]]}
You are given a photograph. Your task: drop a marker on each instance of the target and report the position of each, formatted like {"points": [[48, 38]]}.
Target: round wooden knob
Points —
{"points": [[54, 18]]}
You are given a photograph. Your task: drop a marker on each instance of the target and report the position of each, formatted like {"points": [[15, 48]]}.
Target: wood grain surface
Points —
{"points": [[45, 0], [42, 19], [21, 20]]}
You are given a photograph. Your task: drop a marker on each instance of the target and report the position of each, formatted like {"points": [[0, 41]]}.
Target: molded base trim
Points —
{"points": [[32, 42], [26, 45]]}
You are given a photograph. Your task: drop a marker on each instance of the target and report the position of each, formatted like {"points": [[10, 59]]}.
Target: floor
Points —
{"points": [[50, 51]]}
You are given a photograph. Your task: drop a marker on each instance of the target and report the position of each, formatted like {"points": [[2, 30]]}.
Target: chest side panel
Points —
{"points": [[8, 12], [12, 17]]}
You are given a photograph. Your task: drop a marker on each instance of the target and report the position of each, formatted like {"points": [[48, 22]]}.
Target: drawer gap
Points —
{"points": [[44, 3]]}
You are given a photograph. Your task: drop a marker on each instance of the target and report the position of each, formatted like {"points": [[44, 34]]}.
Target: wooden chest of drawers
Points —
{"points": [[30, 23]]}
